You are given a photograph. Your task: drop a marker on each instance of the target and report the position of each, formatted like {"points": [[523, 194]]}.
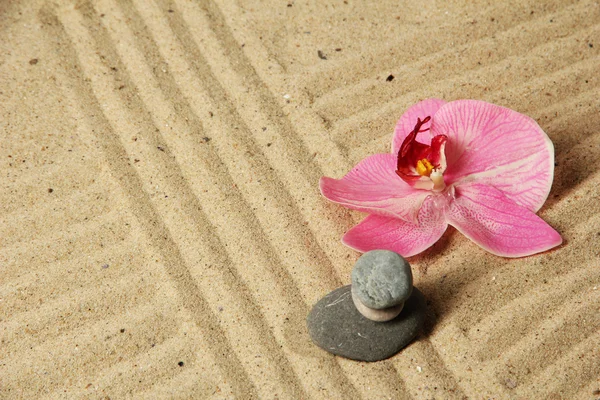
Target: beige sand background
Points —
{"points": [[162, 234]]}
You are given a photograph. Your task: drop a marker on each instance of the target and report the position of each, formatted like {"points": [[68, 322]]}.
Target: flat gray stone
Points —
{"points": [[382, 279], [336, 326]]}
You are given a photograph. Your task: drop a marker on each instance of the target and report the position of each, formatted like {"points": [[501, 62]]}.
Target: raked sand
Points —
{"points": [[162, 234]]}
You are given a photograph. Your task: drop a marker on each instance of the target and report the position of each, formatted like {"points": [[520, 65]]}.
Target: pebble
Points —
{"points": [[336, 326], [381, 315], [382, 279]]}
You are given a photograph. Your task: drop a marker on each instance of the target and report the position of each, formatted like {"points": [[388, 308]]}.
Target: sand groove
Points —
{"points": [[484, 52], [268, 147], [126, 292], [239, 154], [567, 329], [49, 248], [447, 33], [424, 359], [62, 361], [47, 217], [147, 214], [307, 126], [580, 378], [149, 372], [268, 86], [17, 192], [540, 305], [45, 285]]}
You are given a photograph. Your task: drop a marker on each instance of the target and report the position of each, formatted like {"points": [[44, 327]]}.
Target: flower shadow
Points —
{"points": [[576, 148], [421, 263]]}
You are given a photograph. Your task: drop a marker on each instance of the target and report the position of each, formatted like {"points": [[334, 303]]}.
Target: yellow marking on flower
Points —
{"points": [[424, 167]]}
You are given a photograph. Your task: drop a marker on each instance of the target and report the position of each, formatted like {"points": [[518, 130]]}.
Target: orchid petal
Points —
{"points": [[405, 238], [373, 186], [496, 223], [406, 123], [496, 146]]}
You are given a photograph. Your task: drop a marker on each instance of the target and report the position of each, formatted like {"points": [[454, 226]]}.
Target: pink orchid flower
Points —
{"points": [[486, 171]]}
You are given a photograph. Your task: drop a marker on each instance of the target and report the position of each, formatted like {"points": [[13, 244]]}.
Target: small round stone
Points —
{"points": [[382, 315], [336, 326], [382, 279]]}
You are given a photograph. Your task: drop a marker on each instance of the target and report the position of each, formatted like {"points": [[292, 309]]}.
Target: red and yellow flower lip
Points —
{"points": [[422, 166]]}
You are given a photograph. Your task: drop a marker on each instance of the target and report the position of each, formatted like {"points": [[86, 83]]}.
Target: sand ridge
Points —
{"points": [[163, 235]]}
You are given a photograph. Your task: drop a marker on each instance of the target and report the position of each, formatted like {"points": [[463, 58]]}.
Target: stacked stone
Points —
{"points": [[376, 316], [381, 283]]}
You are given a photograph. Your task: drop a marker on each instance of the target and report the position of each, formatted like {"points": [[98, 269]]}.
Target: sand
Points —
{"points": [[162, 234]]}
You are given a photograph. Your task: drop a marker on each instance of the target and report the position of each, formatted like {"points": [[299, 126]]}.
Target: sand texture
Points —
{"points": [[162, 235]]}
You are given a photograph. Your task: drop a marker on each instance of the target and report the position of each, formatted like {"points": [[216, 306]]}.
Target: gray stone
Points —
{"points": [[336, 326], [382, 279]]}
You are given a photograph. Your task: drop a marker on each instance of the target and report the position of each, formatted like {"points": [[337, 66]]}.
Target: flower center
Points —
{"points": [[424, 167]]}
